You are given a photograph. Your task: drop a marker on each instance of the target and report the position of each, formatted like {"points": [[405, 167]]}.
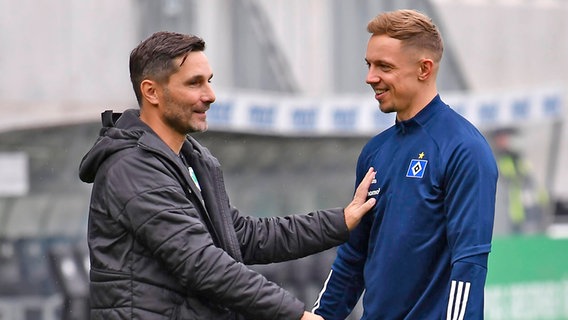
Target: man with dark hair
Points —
{"points": [[164, 241], [422, 251]]}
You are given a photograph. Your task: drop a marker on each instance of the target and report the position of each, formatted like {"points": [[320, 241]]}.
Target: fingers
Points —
{"points": [[360, 204], [368, 205], [363, 188]]}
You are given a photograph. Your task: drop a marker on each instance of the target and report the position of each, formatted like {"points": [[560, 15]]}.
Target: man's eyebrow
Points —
{"points": [[199, 77], [196, 77]]}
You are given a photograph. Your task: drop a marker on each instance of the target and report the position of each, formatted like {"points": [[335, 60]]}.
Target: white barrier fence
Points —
{"points": [[274, 114], [360, 115]]}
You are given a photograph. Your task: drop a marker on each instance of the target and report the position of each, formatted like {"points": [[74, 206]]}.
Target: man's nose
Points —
{"points": [[209, 94], [372, 76]]}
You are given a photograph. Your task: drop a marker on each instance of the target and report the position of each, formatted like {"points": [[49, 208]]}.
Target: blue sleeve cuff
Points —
{"points": [[466, 288]]}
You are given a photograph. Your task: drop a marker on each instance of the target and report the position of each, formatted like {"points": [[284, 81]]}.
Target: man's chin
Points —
{"points": [[197, 129], [385, 108]]}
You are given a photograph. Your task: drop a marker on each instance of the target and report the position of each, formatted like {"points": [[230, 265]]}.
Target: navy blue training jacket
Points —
{"points": [[422, 252]]}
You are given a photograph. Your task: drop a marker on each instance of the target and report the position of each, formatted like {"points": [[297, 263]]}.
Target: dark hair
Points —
{"points": [[412, 27], [153, 57]]}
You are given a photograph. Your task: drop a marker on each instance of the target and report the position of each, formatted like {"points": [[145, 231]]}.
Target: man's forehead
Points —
{"points": [[191, 56], [195, 64], [384, 41]]}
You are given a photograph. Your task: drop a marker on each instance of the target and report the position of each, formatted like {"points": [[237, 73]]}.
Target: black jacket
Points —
{"points": [[162, 249]]}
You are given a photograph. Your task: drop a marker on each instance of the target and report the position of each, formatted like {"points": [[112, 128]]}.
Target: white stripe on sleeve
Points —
{"points": [[317, 304], [451, 302], [457, 302], [465, 297]]}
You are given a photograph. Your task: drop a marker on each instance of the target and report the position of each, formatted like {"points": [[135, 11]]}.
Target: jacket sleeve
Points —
{"points": [[275, 239], [344, 284], [470, 201], [167, 225]]}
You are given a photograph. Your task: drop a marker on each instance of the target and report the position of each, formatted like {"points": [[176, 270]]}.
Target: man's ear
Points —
{"points": [[149, 90], [426, 68]]}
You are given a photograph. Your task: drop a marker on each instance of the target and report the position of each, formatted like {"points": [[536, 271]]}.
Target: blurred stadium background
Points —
{"points": [[292, 113]]}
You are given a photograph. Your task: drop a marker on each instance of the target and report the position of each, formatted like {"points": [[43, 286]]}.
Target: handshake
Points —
{"points": [[310, 316]]}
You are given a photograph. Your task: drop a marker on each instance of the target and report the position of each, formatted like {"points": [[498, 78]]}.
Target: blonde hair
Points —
{"points": [[413, 28]]}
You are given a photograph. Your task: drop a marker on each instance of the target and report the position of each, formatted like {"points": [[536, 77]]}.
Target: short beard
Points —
{"points": [[174, 116]]}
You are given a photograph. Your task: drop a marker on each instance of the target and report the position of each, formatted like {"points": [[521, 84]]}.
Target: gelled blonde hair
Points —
{"points": [[413, 28]]}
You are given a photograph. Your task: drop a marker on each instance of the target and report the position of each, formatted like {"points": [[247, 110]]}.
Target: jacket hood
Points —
{"points": [[113, 137]]}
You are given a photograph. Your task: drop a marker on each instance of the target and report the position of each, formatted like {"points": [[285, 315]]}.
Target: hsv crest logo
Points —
{"points": [[416, 168]]}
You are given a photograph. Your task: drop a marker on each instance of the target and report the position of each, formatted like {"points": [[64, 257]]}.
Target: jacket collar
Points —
{"points": [[422, 117]]}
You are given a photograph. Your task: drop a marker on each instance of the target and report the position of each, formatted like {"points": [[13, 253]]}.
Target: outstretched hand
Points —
{"points": [[360, 206]]}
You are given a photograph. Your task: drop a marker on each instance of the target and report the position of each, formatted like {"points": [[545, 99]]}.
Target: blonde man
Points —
{"points": [[421, 253]]}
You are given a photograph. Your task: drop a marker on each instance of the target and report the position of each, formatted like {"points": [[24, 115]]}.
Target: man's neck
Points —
{"points": [[418, 104], [171, 138]]}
